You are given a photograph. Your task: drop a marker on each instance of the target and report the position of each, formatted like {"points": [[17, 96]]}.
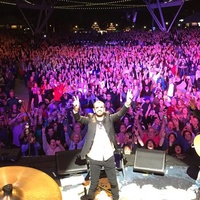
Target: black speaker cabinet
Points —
{"points": [[149, 161], [10, 154], [69, 162]]}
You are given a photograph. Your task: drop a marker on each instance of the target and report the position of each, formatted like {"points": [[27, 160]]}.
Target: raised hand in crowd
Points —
{"points": [[76, 104], [129, 97]]}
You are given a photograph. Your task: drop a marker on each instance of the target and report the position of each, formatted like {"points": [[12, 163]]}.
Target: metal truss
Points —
{"points": [[160, 4], [45, 9]]}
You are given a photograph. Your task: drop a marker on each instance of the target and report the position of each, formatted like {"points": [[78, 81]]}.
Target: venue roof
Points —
{"points": [[155, 8], [89, 4], [82, 4]]}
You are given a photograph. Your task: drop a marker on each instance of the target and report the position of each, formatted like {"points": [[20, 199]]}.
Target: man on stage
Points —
{"points": [[100, 142]]}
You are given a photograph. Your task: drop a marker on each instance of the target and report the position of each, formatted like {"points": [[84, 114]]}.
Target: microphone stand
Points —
{"points": [[122, 166], [27, 127]]}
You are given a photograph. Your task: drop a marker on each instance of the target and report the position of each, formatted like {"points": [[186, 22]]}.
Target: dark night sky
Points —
{"points": [[104, 17], [84, 18]]}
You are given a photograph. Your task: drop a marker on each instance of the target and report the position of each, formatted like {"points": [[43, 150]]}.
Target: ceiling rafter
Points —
{"points": [[67, 4]]}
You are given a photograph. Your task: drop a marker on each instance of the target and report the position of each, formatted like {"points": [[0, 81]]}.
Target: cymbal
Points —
{"points": [[197, 144], [25, 183]]}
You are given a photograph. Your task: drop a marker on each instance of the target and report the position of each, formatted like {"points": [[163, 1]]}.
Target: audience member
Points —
{"points": [[12, 99], [29, 145], [54, 145]]}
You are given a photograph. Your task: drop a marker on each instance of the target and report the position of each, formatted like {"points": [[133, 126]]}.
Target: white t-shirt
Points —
{"points": [[102, 148]]}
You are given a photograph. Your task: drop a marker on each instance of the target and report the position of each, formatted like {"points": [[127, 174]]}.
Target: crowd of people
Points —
{"points": [[161, 69]]}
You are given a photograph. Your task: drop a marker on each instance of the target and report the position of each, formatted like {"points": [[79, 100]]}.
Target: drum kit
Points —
{"points": [[25, 183]]}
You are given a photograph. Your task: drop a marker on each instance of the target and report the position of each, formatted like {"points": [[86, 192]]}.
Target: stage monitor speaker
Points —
{"points": [[149, 161], [69, 162], [10, 155]]}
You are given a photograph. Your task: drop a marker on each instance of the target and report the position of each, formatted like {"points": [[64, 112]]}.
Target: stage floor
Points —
{"points": [[179, 176], [175, 184]]}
